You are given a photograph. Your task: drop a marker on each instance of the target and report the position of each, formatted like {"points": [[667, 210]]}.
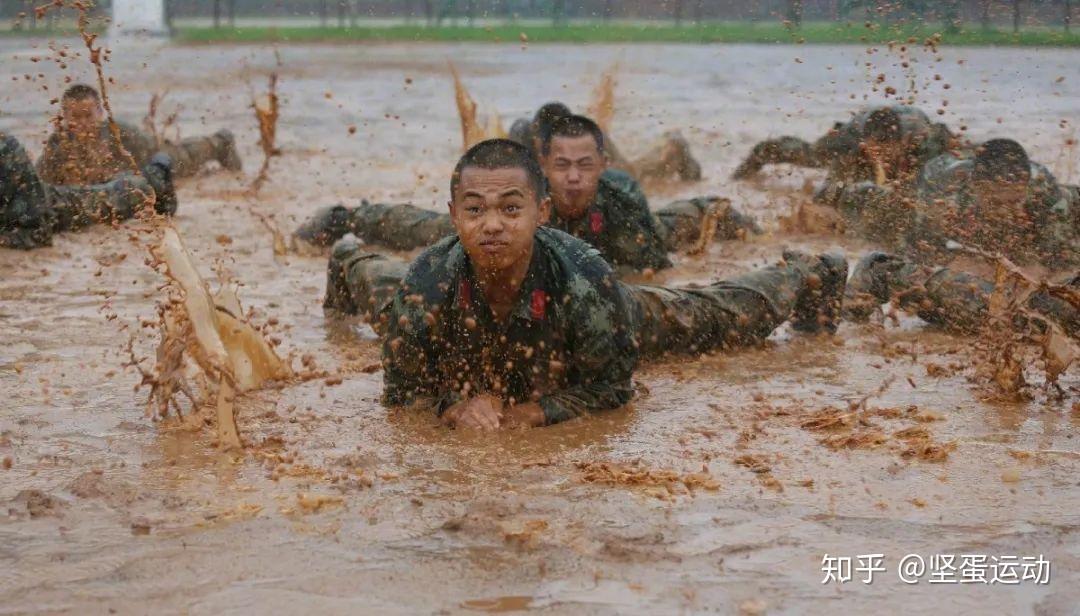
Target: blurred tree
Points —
{"points": [[1016, 15], [609, 10], [217, 14], [1068, 14], [677, 8], [232, 13], [558, 12], [322, 13], [794, 13], [950, 14], [984, 17]]}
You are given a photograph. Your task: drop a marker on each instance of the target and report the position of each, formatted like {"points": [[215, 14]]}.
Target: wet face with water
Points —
{"points": [[573, 167], [82, 116], [496, 213]]}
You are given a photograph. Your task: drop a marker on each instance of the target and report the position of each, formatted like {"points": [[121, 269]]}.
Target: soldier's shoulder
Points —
{"points": [[573, 256], [619, 185], [432, 273]]}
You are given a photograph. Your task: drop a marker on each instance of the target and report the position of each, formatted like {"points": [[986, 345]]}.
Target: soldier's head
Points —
{"points": [[573, 157], [545, 117], [497, 202], [882, 139], [1000, 172], [80, 108]]}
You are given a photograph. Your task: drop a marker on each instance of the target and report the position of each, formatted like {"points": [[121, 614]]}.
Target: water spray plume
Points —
{"points": [[602, 107], [234, 357]]}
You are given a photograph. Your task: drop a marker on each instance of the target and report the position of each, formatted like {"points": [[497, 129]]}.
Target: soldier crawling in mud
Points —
{"points": [[510, 323], [32, 210], [669, 157], [880, 145], [999, 202], [82, 150], [602, 206]]}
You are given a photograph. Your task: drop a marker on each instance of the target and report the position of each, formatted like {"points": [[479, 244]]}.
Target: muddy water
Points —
{"points": [[344, 507]]}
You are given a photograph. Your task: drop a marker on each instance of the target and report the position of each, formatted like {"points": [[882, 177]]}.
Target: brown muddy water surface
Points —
{"points": [[716, 497]]}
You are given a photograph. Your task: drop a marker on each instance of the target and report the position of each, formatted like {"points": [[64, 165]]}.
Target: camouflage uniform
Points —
{"points": [[669, 156], [941, 296], [732, 313], [839, 150], [31, 210], [69, 161], [945, 208], [567, 344], [618, 223]]}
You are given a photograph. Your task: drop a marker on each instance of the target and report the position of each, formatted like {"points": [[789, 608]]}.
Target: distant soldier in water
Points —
{"points": [[83, 150], [669, 158], [998, 201], [878, 144], [32, 210], [602, 206]]}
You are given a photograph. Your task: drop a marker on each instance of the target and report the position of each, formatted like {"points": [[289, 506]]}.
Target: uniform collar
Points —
{"points": [[532, 301]]}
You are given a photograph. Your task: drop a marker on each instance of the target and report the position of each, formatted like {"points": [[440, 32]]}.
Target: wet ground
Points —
{"points": [[340, 506]]}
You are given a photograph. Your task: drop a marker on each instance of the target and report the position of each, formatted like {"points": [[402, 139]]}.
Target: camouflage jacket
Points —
{"points": [[25, 220], [947, 208], [839, 150], [619, 224], [568, 344], [69, 161]]}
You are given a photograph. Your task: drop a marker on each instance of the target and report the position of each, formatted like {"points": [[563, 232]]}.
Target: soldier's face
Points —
{"points": [[496, 213], [573, 168], [82, 117]]}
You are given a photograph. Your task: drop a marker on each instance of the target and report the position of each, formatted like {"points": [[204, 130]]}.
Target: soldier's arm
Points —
{"points": [[603, 356], [410, 358], [635, 241]]}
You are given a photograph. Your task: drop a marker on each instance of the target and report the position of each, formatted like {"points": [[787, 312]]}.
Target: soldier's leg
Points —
{"points": [[399, 226], [75, 207], [948, 298], [361, 283], [741, 311], [189, 155], [25, 219], [680, 222], [669, 157], [791, 150]]}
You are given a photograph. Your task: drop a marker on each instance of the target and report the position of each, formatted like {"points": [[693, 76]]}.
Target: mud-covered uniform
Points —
{"points": [[667, 158], [32, 210], [70, 161], [839, 151], [731, 313], [618, 223], [567, 344], [944, 207], [942, 296]]}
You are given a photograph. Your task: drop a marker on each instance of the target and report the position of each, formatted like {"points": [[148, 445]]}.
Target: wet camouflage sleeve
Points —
{"points": [[633, 239], [24, 213], [411, 375], [603, 354]]}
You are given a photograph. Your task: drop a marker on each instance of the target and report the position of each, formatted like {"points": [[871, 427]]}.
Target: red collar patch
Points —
{"points": [[538, 304], [596, 222]]}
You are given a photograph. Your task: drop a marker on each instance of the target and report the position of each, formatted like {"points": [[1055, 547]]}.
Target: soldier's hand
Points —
{"points": [[480, 413], [529, 415]]}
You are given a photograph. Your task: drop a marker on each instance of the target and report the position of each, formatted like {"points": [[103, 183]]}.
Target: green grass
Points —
{"points": [[717, 32]]}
